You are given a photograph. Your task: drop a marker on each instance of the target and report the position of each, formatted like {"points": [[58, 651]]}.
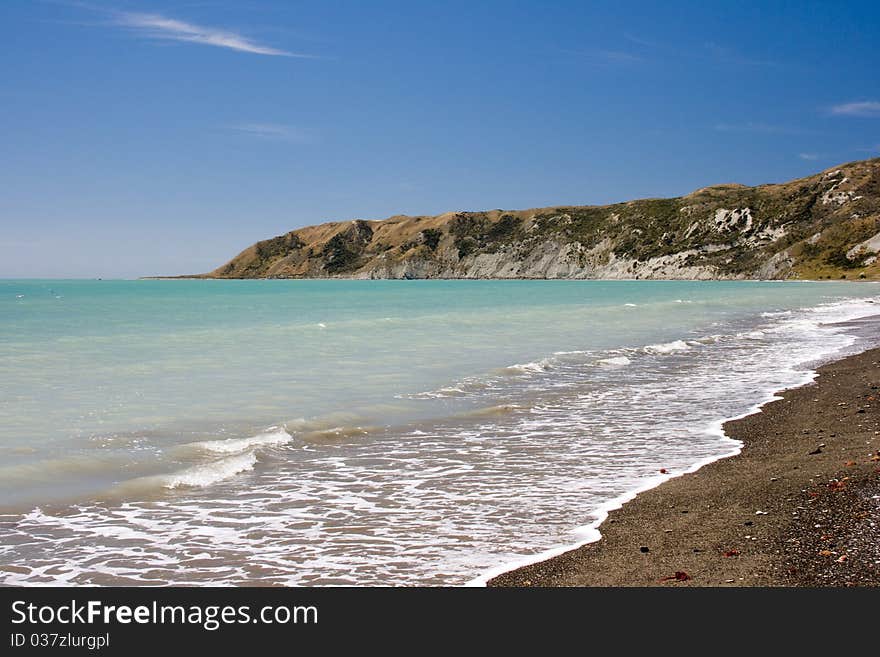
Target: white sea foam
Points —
{"points": [[615, 361], [440, 393], [479, 385], [788, 361], [590, 533], [273, 436], [667, 347], [209, 473], [535, 367]]}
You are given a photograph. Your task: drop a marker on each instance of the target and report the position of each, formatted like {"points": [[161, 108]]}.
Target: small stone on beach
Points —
{"points": [[679, 576]]}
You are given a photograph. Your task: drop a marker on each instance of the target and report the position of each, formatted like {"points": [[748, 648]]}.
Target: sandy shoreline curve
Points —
{"points": [[797, 505]]}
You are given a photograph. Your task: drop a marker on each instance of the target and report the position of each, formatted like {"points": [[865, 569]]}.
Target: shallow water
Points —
{"points": [[366, 432]]}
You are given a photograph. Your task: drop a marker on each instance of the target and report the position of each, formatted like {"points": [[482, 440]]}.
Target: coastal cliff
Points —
{"points": [[823, 226]]}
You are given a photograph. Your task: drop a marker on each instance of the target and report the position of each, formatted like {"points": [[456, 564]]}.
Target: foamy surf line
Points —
{"points": [[272, 436], [238, 455], [667, 347], [590, 532], [243, 458], [196, 476]]}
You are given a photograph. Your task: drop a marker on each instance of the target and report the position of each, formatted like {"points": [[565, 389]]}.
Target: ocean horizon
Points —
{"points": [[337, 432]]}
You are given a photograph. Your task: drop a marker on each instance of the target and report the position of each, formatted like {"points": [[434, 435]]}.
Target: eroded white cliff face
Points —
{"points": [[554, 261], [835, 194], [867, 248], [734, 228]]}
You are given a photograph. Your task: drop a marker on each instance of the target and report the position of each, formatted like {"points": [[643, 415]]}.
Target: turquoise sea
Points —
{"points": [[368, 432]]}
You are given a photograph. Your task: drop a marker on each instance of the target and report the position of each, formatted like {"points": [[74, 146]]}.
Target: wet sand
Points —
{"points": [[799, 506]]}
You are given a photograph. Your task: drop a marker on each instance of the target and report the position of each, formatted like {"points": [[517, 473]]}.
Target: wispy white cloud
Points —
{"points": [[808, 156], [156, 26], [272, 132], [865, 108]]}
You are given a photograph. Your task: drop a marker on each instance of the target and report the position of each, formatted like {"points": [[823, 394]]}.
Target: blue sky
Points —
{"points": [[150, 137]]}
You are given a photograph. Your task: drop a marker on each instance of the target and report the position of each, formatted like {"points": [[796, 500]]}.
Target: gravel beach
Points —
{"points": [[799, 506]]}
